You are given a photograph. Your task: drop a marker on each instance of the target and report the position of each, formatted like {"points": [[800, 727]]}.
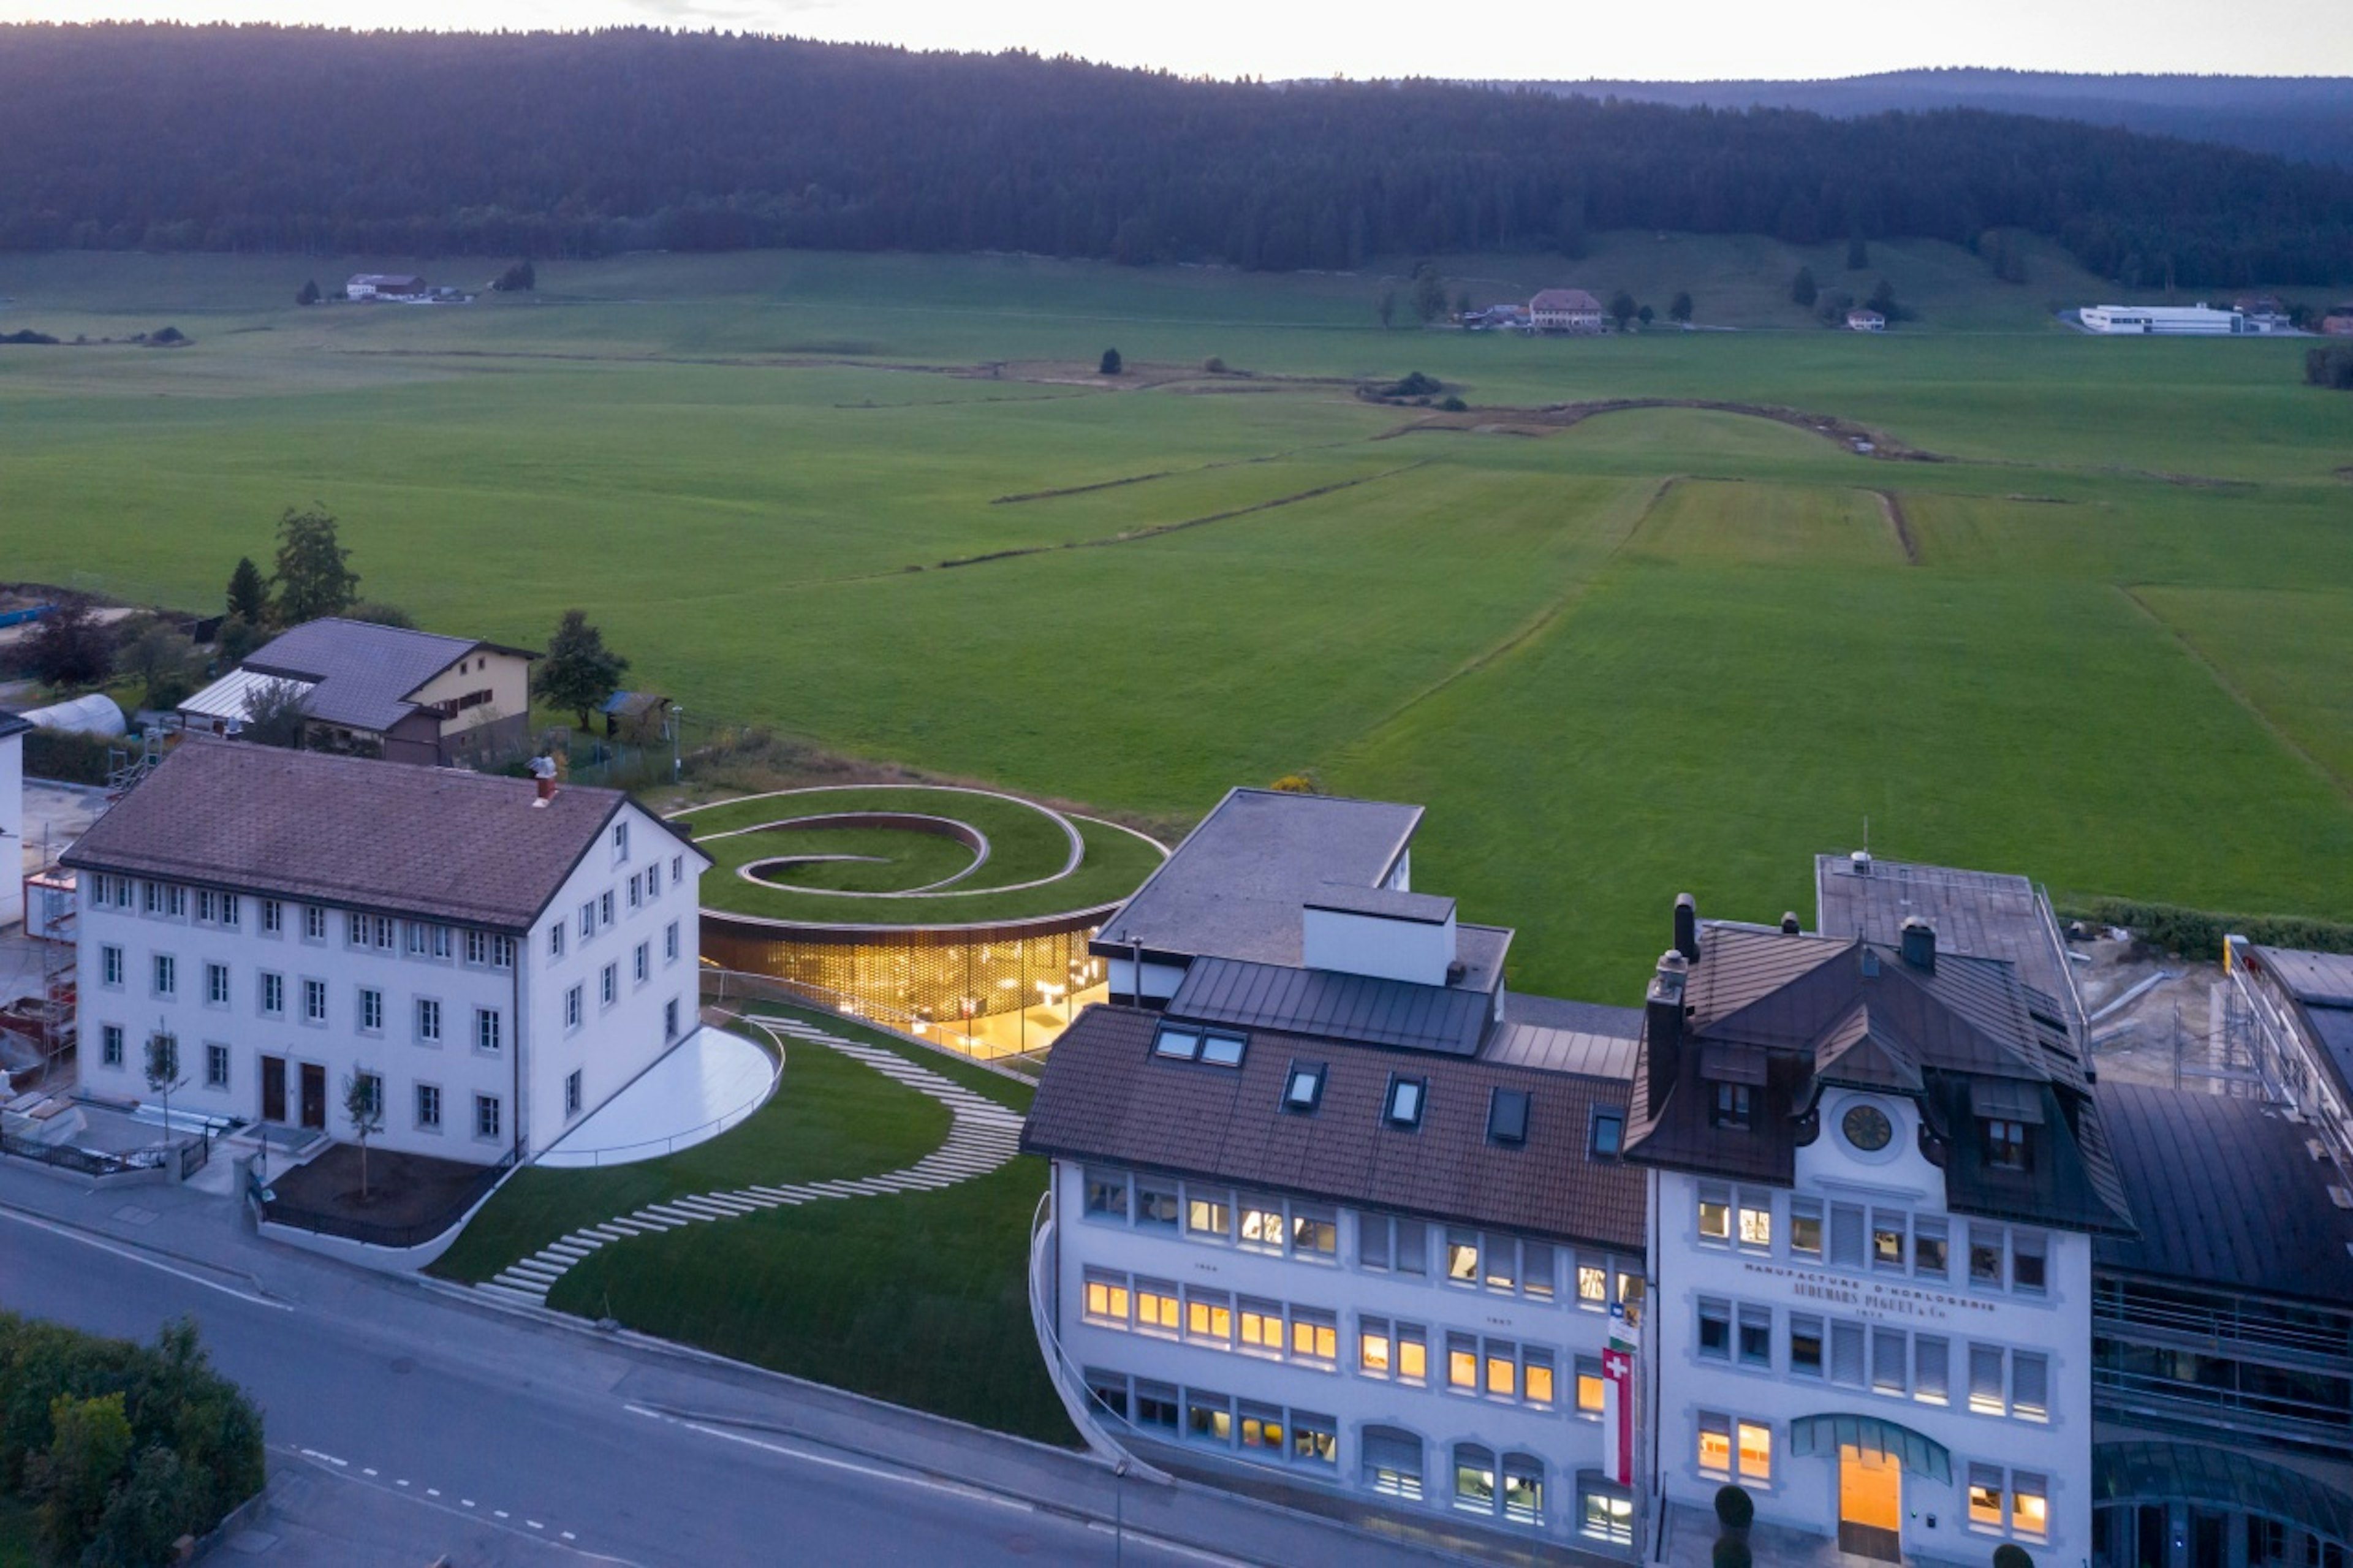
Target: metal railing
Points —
{"points": [[82, 1162], [1095, 1420]]}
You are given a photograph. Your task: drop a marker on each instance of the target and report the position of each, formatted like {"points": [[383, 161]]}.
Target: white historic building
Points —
{"points": [[500, 959]]}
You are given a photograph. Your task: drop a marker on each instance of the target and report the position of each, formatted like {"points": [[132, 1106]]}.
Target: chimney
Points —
{"points": [[542, 773], [1687, 927], [1662, 1023], [1789, 926], [1919, 944]]}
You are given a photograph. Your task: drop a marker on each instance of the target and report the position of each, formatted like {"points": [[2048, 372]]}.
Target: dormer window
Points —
{"points": [[1507, 1117], [2006, 1148], [1403, 1106], [1731, 1105], [1189, 1043], [1302, 1088]]}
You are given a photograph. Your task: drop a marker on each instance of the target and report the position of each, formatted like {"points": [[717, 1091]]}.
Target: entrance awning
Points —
{"points": [[1826, 1435], [2193, 1472]]}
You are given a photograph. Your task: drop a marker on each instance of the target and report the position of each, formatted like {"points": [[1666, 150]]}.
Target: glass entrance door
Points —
{"points": [[1871, 1504]]}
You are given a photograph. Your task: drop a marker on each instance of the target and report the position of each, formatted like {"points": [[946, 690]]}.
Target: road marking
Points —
{"points": [[365, 1471], [432, 1492], [953, 1488], [400, 1483], [502, 1513], [69, 1234], [467, 1501], [534, 1524], [315, 1454], [567, 1535]]}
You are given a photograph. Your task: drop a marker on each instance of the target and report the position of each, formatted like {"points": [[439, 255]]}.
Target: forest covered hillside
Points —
{"points": [[252, 138]]}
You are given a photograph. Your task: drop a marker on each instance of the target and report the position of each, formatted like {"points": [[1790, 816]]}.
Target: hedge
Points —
{"points": [[65, 756], [2197, 933], [121, 1447]]}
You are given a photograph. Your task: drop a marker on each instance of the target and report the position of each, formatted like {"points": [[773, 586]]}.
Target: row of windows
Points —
{"points": [[1385, 1348], [162, 1058], [608, 979], [1735, 1447], [599, 914], [1390, 1460], [1886, 1360], [418, 939], [1891, 1241], [272, 999], [1471, 1259]]}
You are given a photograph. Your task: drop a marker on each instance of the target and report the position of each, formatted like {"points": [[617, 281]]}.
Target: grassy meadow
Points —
{"points": [[2107, 641]]}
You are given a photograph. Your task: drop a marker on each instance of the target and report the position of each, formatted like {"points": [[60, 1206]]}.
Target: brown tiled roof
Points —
{"points": [[1829, 1010], [1565, 300], [437, 843], [1105, 1097]]}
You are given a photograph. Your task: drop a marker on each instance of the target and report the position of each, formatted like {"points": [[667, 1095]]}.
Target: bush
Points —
{"points": [[2331, 367], [1731, 1551], [65, 756], [1413, 383], [1734, 1508], [1112, 364], [2196, 934], [1214, 365], [1453, 405], [124, 1447], [2011, 1554], [27, 336]]}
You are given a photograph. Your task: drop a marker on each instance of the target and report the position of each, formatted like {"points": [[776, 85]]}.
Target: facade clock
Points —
{"points": [[1867, 1128]]}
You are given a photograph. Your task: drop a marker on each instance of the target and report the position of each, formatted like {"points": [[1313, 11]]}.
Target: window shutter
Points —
{"points": [[2030, 1384], [1931, 1367], [1985, 1377], [1846, 1236], [1846, 1354], [1887, 1360]]}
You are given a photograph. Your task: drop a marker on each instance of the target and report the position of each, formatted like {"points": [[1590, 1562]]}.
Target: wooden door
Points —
{"points": [[273, 1088], [1871, 1504], [314, 1095]]}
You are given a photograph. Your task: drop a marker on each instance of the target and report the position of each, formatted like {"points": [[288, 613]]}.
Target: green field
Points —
{"points": [[2106, 641]]}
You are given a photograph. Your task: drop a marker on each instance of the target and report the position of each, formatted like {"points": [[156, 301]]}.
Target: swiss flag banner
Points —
{"points": [[1618, 1415]]}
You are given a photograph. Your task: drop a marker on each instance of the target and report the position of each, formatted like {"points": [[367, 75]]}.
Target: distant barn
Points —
{"points": [[385, 286]]}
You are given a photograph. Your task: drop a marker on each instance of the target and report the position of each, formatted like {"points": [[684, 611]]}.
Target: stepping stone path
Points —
{"points": [[983, 1136]]}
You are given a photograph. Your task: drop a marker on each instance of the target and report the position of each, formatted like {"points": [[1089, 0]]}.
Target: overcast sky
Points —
{"points": [[1541, 40]]}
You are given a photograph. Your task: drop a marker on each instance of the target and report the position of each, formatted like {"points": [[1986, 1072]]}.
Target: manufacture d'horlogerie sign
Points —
{"points": [[1869, 1298]]}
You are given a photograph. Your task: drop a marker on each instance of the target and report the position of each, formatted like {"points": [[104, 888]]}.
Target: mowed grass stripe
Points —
{"points": [[1708, 730], [2285, 656]]}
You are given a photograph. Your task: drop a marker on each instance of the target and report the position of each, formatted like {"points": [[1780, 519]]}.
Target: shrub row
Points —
{"points": [[65, 756], [122, 1448], [2197, 933]]}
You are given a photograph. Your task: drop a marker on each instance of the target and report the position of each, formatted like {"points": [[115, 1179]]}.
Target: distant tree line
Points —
{"points": [[124, 136]]}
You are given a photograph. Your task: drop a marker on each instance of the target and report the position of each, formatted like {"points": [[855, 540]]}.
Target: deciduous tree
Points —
{"points": [[314, 577], [70, 647], [1621, 308], [579, 671], [1678, 309], [363, 1108]]}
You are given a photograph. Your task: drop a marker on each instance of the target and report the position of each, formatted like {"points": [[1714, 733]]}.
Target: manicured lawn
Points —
{"points": [[1658, 650], [920, 1299]]}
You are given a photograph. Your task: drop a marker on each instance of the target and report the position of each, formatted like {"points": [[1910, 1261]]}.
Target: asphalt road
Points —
{"points": [[402, 1427]]}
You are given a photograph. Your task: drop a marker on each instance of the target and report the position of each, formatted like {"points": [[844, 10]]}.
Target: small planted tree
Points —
{"points": [[314, 577], [248, 595], [1646, 315], [1678, 309], [2011, 1554], [1734, 1509], [1112, 364], [579, 671], [1621, 308], [1731, 1551], [309, 293], [163, 1065], [363, 1108]]}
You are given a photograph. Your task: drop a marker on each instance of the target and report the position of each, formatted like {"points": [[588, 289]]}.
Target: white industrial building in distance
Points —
{"points": [[501, 957], [2166, 321]]}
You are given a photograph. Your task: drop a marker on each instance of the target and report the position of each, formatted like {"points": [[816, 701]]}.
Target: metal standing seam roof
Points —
{"points": [[231, 696], [1556, 1036], [2321, 986], [1103, 1096], [1332, 1005], [362, 674], [1235, 886], [1982, 914], [437, 843], [2227, 1195]]}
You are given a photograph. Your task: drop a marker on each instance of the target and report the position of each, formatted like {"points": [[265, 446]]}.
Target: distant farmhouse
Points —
{"points": [[1863, 321], [2338, 322], [2174, 320], [1565, 311], [385, 286], [406, 696]]}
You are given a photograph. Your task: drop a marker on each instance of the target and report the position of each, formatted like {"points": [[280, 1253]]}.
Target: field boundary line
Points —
{"points": [[1529, 630], [1171, 473], [1137, 535], [1891, 510], [2343, 787]]}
